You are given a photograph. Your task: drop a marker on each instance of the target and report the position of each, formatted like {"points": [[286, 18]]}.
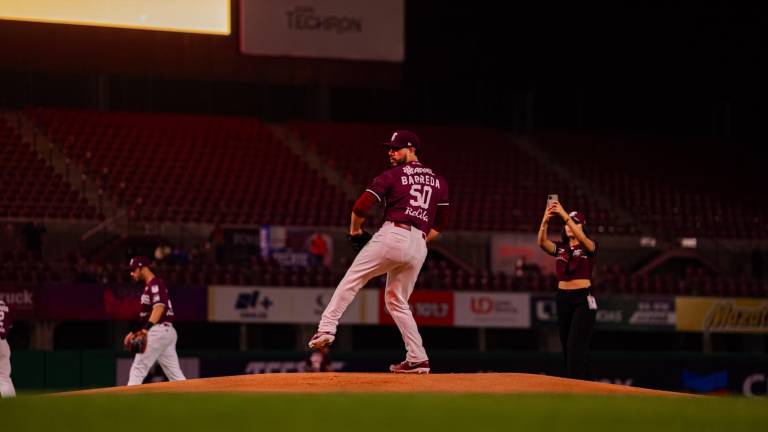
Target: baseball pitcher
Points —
{"points": [[155, 338], [6, 385], [416, 202]]}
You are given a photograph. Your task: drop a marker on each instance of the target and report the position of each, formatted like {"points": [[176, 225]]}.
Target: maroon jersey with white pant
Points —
{"points": [[5, 320], [161, 338], [412, 194], [6, 385], [155, 292]]}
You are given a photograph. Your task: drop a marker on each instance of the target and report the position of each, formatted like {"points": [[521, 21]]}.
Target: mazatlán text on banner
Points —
{"points": [[722, 315]]}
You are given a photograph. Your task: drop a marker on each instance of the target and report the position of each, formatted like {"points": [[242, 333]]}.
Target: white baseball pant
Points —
{"points": [[161, 347], [6, 385], [399, 253]]}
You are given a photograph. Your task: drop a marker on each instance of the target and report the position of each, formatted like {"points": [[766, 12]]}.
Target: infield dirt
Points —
{"points": [[383, 383]]}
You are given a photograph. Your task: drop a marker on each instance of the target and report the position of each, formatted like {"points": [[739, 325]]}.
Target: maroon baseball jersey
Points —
{"points": [[574, 262], [5, 320], [411, 193], [155, 292]]}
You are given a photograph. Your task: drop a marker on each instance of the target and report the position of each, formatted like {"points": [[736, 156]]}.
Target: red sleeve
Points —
{"points": [[442, 218], [380, 186], [364, 203], [558, 245], [444, 200], [593, 253]]}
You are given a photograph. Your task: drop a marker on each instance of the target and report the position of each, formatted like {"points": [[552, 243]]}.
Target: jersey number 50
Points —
{"points": [[422, 195]]}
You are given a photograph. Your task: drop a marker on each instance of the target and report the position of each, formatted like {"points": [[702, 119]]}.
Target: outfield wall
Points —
{"points": [[687, 372], [479, 309]]}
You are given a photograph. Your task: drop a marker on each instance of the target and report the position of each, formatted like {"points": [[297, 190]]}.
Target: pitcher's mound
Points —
{"points": [[383, 383]]}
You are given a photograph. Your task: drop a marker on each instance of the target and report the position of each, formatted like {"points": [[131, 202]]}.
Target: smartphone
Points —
{"points": [[551, 198]]}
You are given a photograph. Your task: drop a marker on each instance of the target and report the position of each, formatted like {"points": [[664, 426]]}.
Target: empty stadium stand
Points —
{"points": [[675, 197], [29, 188], [494, 185], [232, 170], [180, 168]]}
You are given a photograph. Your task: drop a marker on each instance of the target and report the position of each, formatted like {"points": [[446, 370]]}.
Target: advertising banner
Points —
{"points": [[429, 308], [265, 363], [20, 299], [691, 373], [482, 309], [285, 305], [722, 315], [343, 29], [616, 312], [109, 302]]}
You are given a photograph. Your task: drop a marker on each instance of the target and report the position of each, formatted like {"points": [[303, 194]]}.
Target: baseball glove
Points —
{"points": [[137, 343], [358, 241]]}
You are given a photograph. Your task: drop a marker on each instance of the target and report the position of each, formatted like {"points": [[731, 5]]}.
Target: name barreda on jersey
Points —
{"points": [[420, 179], [420, 213]]}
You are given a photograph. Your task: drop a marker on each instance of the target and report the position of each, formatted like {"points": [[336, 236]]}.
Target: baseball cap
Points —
{"points": [[578, 217], [403, 139], [139, 261]]}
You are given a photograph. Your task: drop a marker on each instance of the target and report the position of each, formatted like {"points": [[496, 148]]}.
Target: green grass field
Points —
{"points": [[380, 412]]}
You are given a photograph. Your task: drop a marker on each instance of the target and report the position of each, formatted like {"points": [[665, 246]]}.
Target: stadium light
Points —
{"points": [[688, 242]]}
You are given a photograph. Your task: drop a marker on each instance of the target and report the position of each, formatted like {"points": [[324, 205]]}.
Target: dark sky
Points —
{"points": [[679, 70], [695, 74], [684, 71]]}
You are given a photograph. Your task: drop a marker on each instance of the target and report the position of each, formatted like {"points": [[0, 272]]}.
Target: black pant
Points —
{"points": [[576, 322]]}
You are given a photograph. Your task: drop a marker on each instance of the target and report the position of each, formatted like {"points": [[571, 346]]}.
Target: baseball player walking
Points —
{"points": [[416, 201], [6, 385], [155, 324]]}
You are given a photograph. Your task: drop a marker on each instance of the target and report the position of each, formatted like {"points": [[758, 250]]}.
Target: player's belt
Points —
{"points": [[408, 227], [402, 225]]}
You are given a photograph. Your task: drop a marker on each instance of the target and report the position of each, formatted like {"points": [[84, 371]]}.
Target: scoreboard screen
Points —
{"points": [[187, 16]]}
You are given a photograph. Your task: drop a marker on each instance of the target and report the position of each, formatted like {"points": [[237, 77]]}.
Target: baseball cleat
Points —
{"points": [[410, 367], [321, 339]]}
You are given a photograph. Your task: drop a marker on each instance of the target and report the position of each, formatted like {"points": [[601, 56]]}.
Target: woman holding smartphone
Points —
{"points": [[576, 307]]}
